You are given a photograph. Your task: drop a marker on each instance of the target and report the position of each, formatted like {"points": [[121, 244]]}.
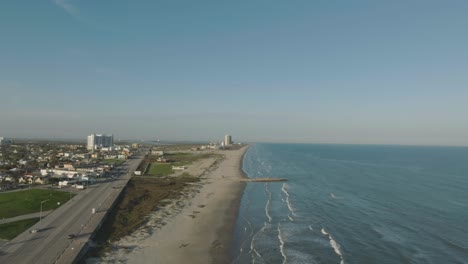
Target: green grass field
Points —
{"points": [[11, 230], [29, 201], [181, 158], [178, 159], [160, 169], [185, 158]]}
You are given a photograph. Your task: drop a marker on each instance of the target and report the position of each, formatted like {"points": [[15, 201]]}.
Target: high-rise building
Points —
{"points": [[227, 140], [4, 141], [99, 141]]}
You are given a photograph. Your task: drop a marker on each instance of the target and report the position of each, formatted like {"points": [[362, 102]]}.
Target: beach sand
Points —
{"points": [[195, 229]]}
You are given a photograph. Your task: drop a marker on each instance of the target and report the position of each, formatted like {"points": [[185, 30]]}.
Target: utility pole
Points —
{"points": [[40, 214]]}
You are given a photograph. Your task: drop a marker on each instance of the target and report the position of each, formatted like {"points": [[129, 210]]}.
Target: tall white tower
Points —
{"points": [[90, 144], [227, 140], [98, 141]]}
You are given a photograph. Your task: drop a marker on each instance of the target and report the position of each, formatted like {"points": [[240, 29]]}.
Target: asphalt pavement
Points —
{"points": [[51, 242], [24, 217]]}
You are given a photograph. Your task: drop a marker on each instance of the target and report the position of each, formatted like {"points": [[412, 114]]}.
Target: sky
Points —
{"points": [[357, 72]]}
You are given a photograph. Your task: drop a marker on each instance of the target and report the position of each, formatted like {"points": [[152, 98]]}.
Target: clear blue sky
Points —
{"points": [[374, 72]]}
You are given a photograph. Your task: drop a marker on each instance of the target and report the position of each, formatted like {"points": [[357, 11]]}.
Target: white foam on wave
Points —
{"points": [[266, 211], [324, 232], [336, 247], [283, 189], [256, 252], [267, 206], [252, 244], [249, 226], [310, 227], [333, 196], [290, 218], [288, 202], [280, 238]]}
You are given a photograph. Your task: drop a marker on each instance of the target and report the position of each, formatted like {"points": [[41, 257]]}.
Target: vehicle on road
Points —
{"points": [[71, 236], [33, 231]]}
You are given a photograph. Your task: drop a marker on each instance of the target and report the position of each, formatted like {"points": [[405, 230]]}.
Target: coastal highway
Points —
{"points": [[51, 244]]}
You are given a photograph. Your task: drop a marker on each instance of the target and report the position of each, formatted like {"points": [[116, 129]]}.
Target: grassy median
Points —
{"points": [[11, 230], [29, 201]]}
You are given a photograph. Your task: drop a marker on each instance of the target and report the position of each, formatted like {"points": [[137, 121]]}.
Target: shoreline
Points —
{"points": [[226, 233], [198, 228]]}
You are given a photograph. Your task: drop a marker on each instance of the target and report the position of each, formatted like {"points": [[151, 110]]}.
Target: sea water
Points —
{"points": [[354, 204]]}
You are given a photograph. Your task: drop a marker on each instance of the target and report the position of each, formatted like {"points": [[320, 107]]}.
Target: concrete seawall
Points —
{"points": [[94, 225]]}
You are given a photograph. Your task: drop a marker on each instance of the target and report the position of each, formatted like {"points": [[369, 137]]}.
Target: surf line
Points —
{"points": [[288, 202], [267, 206], [280, 238], [336, 247], [252, 244]]}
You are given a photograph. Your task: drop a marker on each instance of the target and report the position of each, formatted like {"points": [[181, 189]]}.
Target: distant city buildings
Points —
{"points": [[4, 141], [227, 140], [100, 141]]}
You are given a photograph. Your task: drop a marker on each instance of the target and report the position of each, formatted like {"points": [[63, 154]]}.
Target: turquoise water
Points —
{"points": [[354, 204]]}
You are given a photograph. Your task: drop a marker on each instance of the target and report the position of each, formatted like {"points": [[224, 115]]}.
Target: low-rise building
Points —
{"points": [[40, 180], [68, 166], [26, 179], [157, 152], [59, 173], [84, 155]]}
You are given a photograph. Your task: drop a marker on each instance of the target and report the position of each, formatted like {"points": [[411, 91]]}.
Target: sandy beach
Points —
{"points": [[195, 229]]}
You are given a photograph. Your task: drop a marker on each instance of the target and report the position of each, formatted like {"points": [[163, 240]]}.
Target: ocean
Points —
{"points": [[354, 204]]}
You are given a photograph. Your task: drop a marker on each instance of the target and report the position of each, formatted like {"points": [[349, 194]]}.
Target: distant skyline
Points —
{"points": [[357, 72]]}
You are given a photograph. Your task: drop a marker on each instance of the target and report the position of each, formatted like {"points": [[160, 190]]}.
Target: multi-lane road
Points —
{"points": [[78, 217]]}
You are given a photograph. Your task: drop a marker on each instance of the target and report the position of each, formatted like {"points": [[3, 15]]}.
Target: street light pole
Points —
{"points": [[40, 214]]}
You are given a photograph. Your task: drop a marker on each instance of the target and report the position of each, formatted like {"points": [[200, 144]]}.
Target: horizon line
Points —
{"points": [[246, 142]]}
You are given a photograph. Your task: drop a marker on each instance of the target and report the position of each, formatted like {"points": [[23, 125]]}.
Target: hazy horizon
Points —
{"points": [[169, 141], [360, 72]]}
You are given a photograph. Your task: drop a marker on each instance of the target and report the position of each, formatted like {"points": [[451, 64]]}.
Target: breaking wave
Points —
{"points": [[280, 237], [267, 206], [288, 202], [336, 247]]}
